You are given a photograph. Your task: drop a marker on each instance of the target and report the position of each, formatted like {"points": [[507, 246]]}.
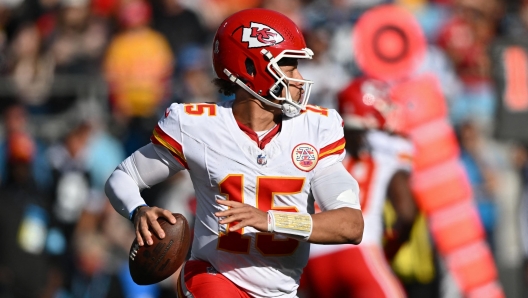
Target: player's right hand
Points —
{"points": [[244, 214], [146, 220]]}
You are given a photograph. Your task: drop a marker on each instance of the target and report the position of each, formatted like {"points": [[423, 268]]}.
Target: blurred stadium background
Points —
{"points": [[83, 83]]}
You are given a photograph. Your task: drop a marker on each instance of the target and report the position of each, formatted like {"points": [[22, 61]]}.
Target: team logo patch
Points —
{"points": [[260, 35], [261, 159], [305, 157]]}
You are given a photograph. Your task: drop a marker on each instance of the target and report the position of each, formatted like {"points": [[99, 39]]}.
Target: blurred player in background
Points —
{"points": [[381, 163], [253, 162]]}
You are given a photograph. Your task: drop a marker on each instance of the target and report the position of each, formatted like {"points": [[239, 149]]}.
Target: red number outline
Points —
{"points": [[266, 189]]}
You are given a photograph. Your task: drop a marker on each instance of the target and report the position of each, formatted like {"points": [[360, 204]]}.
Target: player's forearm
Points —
{"points": [[145, 167], [343, 225], [123, 192], [401, 198]]}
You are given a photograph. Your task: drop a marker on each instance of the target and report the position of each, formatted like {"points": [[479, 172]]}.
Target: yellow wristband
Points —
{"points": [[291, 223]]}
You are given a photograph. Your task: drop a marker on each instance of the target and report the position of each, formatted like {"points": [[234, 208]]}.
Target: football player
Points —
{"points": [[253, 162], [380, 161]]}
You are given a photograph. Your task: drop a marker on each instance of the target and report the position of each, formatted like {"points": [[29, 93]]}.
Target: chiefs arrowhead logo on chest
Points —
{"points": [[260, 35], [305, 157]]}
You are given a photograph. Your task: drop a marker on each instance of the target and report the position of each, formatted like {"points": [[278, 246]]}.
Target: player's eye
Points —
{"points": [[288, 70]]}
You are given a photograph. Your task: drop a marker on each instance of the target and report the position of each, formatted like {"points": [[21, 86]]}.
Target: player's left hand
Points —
{"points": [[244, 214]]}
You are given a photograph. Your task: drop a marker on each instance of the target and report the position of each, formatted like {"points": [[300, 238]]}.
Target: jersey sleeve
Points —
{"points": [[333, 187], [332, 140], [167, 133]]}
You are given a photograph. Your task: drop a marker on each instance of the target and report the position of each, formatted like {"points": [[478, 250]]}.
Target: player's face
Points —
{"points": [[290, 70]]}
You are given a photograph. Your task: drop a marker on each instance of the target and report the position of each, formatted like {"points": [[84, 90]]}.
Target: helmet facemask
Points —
{"points": [[289, 106]]}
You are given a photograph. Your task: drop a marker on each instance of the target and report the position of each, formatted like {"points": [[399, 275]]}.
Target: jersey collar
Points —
{"points": [[253, 135]]}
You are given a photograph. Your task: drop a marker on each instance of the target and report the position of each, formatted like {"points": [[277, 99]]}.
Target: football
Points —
{"points": [[150, 264]]}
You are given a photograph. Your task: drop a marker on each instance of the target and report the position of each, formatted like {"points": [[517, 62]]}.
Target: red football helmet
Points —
{"points": [[246, 49], [365, 103]]}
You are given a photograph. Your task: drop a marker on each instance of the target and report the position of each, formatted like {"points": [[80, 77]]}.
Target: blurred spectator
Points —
{"points": [[517, 20], [437, 62], [104, 8], [15, 121], [324, 92], [330, 14], [194, 76], [24, 221], [521, 162], [213, 12], [180, 25], [104, 153], [466, 35], [481, 176], [137, 66], [92, 277], [31, 70], [78, 40], [465, 38], [74, 197], [292, 9], [72, 186]]}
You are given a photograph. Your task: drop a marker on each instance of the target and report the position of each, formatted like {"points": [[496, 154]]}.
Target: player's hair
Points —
{"points": [[227, 88]]}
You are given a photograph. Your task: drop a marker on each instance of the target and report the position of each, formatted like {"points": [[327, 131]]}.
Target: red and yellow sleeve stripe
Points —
{"points": [[159, 137], [335, 148], [405, 157]]}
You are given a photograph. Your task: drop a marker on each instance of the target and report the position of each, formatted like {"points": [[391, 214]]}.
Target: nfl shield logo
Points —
{"points": [[261, 159]]}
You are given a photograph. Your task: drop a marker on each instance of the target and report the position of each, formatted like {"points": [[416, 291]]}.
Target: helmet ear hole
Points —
{"points": [[250, 67], [277, 90]]}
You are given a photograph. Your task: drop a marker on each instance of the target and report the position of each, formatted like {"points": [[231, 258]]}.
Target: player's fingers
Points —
{"points": [[225, 213], [144, 230], [168, 215], [139, 238], [156, 228], [245, 222], [229, 203], [234, 213], [237, 227], [252, 219], [241, 215], [230, 219], [234, 210]]}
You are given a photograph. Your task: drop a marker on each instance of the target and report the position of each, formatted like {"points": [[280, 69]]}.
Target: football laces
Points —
{"points": [[134, 251]]}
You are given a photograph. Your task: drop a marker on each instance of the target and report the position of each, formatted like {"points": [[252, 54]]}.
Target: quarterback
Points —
{"points": [[257, 164]]}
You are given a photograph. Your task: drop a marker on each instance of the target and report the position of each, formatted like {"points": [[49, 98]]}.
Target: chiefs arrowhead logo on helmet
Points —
{"points": [[259, 35]]}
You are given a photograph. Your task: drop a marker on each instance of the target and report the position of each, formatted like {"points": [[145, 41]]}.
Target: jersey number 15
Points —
{"points": [[267, 187]]}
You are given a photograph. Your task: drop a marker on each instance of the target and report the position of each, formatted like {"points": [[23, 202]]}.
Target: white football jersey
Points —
{"points": [[373, 172], [225, 163]]}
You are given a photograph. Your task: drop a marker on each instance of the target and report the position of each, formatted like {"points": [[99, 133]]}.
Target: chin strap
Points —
{"points": [[287, 109]]}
